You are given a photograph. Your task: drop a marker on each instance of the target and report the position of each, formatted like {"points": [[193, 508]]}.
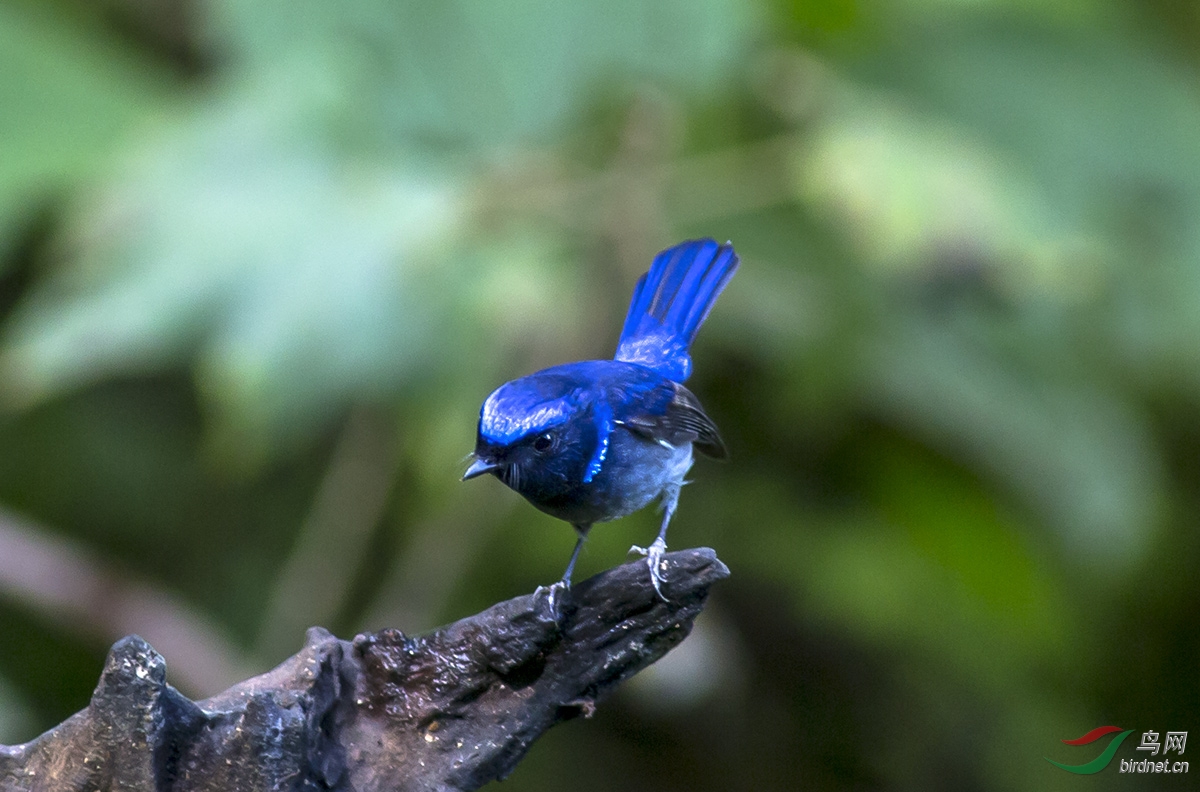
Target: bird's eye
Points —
{"points": [[543, 443]]}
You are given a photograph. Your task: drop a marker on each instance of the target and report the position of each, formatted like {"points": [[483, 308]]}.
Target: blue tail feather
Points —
{"points": [[671, 301]]}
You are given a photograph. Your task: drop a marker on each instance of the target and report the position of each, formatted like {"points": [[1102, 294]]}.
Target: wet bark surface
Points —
{"points": [[448, 710]]}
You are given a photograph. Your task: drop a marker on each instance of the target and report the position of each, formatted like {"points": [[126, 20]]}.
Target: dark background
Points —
{"points": [[260, 262]]}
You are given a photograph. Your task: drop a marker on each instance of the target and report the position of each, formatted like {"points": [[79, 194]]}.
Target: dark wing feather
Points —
{"points": [[680, 420]]}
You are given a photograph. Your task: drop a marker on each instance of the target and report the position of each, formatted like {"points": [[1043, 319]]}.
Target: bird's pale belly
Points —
{"points": [[636, 471]]}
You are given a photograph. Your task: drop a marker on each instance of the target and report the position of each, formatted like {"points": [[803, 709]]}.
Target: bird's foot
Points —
{"points": [[553, 595], [654, 560]]}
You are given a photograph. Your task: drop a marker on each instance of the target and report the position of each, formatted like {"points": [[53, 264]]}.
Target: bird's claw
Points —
{"points": [[552, 593], [654, 560]]}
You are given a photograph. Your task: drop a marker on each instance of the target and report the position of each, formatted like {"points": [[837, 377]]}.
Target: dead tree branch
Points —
{"points": [[450, 710]]}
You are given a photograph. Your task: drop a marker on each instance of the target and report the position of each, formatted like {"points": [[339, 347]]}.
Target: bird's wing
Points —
{"points": [[669, 304], [673, 415]]}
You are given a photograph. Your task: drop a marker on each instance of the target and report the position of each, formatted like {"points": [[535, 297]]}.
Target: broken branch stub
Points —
{"points": [[449, 710]]}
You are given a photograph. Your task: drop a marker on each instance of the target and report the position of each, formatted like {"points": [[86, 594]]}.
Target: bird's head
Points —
{"points": [[536, 435]]}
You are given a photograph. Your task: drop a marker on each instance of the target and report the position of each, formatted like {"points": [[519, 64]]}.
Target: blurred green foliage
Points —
{"points": [[261, 261]]}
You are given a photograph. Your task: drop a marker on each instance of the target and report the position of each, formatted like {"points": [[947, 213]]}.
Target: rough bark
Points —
{"points": [[449, 710]]}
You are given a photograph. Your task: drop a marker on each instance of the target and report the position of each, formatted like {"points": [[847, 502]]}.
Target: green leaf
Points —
{"points": [[910, 189], [1075, 449], [296, 275], [1109, 123], [478, 72], [67, 98]]}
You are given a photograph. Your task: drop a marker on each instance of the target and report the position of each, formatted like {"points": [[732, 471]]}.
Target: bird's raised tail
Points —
{"points": [[671, 301]]}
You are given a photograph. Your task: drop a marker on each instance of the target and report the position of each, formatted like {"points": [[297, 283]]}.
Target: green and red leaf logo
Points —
{"points": [[1101, 761]]}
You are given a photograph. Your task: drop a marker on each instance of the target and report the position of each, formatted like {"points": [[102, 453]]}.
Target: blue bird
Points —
{"points": [[595, 440]]}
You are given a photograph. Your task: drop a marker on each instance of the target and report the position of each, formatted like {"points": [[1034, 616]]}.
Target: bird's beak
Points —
{"points": [[478, 468]]}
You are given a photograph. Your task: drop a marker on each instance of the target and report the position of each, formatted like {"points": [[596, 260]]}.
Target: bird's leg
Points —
{"points": [[566, 578], [655, 551], [552, 591]]}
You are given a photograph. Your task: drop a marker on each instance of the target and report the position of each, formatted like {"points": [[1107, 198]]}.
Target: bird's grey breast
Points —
{"points": [[638, 470]]}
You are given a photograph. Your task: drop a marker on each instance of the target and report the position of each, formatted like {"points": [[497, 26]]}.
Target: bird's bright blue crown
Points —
{"points": [[512, 413]]}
